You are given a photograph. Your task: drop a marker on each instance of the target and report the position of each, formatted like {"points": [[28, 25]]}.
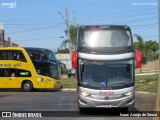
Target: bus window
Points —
{"points": [[14, 73], [2, 55], [13, 55], [105, 38], [54, 72], [43, 71], [36, 55], [1, 73], [51, 55], [9, 72], [23, 73]]}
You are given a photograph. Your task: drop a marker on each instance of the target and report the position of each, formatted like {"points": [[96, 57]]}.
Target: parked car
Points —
{"points": [[71, 73]]}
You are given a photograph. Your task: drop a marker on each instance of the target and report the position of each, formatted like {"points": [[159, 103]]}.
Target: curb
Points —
{"points": [[68, 89], [141, 92], [146, 74]]}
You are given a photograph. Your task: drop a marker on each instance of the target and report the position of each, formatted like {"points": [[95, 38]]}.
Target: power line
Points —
{"points": [[35, 39], [144, 25], [35, 29], [123, 12], [119, 15]]}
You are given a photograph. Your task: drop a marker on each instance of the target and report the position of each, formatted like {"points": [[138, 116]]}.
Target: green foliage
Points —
{"points": [[149, 86], [63, 70], [73, 37], [63, 51], [148, 49], [69, 83]]}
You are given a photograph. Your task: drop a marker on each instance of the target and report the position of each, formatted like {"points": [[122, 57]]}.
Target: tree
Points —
{"points": [[148, 49], [151, 48], [73, 37], [140, 45]]}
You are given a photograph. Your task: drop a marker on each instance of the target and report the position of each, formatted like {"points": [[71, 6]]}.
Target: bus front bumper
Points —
{"points": [[85, 102]]}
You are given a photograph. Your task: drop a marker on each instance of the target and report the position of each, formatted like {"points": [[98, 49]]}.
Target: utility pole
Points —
{"points": [[157, 106], [69, 37], [68, 32]]}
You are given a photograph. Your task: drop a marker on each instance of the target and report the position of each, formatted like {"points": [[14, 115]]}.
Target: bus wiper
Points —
{"points": [[120, 83], [95, 84], [118, 45], [91, 83]]}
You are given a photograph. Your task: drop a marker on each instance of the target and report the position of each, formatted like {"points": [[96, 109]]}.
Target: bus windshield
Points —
{"points": [[106, 73], [46, 69], [50, 55], [105, 38]]}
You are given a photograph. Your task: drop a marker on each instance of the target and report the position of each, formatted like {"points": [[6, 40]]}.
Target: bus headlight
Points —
{"points": [[84, 94], [129, 93]]}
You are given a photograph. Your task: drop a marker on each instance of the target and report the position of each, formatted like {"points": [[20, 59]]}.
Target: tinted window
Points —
{"points": [[37, 55], [43, 71], [14, 73], [3, 55], [12, 55], [108, 72], [105, 38], [51, 55]]}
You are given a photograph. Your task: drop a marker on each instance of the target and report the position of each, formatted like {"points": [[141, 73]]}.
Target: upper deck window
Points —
{"points": [[104, 38], [36, 55], [12, 55]]}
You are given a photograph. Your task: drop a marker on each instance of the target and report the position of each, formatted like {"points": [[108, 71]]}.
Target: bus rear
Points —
{"points": [[105, 62]]}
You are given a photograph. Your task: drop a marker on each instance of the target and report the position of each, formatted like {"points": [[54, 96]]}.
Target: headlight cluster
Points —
{"points": [[129, 93], [84, 94]]}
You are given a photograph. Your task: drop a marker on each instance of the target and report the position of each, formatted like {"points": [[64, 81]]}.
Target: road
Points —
{"points": [[64, 101]]}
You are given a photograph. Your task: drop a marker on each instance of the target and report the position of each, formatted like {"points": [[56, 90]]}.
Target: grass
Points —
{"points": [[69, 82], [149, 85]]}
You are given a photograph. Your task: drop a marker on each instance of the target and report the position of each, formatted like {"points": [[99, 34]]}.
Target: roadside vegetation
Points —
{"points": [[146, 83], [142, 83]]}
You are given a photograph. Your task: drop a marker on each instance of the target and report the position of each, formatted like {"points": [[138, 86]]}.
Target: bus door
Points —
{"points": [[44, 81]]}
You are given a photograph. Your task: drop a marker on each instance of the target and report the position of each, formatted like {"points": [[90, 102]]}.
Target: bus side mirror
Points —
{"points": [[74, 59], [138, 58]]}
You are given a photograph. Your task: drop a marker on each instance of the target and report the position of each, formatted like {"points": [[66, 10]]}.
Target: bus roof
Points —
{"points": [[34, 48], [11, 48], [45, 62], [105, 26]]}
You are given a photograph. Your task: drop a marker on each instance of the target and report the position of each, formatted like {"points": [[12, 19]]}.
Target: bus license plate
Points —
{"points": [[106, 105]]}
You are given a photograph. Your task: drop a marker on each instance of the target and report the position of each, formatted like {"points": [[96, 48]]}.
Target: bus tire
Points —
{"points": [[27, 86], [124, 109], [82, 110]]}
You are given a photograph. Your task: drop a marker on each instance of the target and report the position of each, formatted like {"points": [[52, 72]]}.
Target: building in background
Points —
{"points": [[7, 42], [15, 45], [64, 58], [4, 40], [1, 35]]}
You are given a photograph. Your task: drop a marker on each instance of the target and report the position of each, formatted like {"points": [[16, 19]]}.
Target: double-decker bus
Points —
{"points": [[17, 70], [43, 54], [105, 61], [40, 54]]}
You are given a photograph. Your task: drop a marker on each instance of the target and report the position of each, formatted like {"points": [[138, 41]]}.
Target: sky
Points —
{"points": [[36, 23]]}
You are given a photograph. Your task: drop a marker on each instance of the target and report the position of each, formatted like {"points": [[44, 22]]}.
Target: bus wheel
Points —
{"points": [[27, 86], [124, 109], [82, 110]]}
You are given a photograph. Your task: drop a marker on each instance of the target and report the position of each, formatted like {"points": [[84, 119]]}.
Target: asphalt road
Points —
{"points": [[66, 101]]}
